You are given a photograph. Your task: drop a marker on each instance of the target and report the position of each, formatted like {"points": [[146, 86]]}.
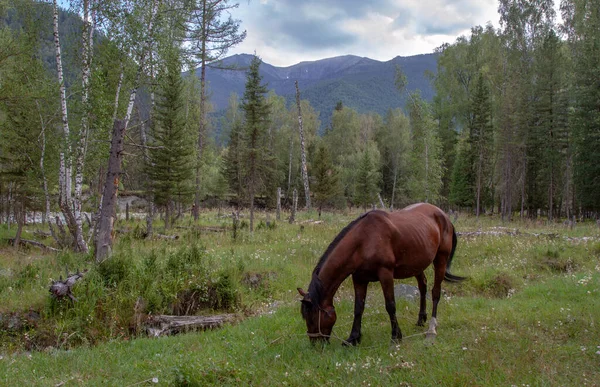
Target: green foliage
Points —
{"points": [[426, 162], [170, 166], [583, 21], [367, 181], [461, 184], [326, 184], [393, 142]]}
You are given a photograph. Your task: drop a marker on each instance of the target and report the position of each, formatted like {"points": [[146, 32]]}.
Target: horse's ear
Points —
{"points": [[302, 292]]}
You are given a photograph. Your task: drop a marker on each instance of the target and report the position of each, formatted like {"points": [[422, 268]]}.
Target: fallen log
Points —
{"points": [[42, 234], [167, 325], [498, 232], [161, 236], [204, 228], [60, 288], [24, 242]]}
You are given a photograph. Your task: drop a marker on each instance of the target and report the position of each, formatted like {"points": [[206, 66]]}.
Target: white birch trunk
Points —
{"points": [[302, 150], [65, 199], [64, 175], [118, 93]]}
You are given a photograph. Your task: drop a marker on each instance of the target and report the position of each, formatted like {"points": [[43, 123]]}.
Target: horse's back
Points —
{"points": [[423, 231]]}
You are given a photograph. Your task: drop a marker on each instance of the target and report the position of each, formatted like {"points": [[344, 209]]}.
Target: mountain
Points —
{"points": [[363, 84]]}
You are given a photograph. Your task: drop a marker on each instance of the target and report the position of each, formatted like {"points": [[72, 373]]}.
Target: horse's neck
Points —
{"points": [[332, 274]]}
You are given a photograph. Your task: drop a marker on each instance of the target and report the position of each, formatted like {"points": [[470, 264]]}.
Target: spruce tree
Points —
{"points": [[258, 159], [170, 168]]}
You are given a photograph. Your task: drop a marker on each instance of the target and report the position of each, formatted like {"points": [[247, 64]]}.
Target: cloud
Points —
{"points": [[284, 32]]}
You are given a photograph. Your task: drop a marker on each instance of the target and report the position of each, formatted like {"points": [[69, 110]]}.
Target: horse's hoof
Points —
{"points": [[421, 323], [430, 338], [351, 342]]}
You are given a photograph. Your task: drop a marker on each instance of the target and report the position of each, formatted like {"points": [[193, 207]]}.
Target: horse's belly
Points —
{"points": [[406, 271]]}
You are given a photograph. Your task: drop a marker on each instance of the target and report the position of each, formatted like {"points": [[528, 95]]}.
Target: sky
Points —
{"points": [[285, 32]]}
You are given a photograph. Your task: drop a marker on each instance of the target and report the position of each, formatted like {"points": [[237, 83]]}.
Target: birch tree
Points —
{"points": [[302, 150]]}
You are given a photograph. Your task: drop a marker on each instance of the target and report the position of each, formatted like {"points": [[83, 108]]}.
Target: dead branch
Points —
{"points": [[23, 242], [60, 288]]}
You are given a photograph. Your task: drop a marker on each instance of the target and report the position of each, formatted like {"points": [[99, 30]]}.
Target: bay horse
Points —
{"points": [[381, 246]]}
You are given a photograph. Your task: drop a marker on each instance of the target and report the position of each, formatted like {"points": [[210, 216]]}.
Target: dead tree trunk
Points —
{"points": [[278, 216], [302, 150], [19, 215], [109, 198], [294, 206]]}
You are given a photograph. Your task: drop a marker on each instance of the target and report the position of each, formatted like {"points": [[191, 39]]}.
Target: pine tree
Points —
{"points": [[170, 168], [258, 159]]}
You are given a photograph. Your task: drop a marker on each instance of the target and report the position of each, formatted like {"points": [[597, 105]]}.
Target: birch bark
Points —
{"points": [[302, 150]]}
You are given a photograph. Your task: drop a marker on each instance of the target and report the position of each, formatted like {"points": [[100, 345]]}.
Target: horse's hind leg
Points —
{"points": [[439, 265], [422, 281], [386, 277], [360, 294]]}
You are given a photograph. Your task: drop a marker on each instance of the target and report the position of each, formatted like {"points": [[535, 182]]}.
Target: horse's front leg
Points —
{"points": [[422, 281], [386, 277], [360, 294]]}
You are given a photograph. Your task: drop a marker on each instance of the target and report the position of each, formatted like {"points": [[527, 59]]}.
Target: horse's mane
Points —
{"points": [[315, 289]]}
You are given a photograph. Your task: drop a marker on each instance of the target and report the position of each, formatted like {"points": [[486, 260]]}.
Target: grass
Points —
{"points": [[528, 315]]}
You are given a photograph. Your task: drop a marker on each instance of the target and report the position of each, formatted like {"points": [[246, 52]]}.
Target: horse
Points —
{"points": [[381, 246]]}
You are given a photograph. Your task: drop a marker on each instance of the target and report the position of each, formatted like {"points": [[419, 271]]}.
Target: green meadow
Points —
{"points": [[528, 315]]}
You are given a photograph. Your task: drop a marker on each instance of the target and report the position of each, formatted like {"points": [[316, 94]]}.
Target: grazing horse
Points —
{"points": [[381, 246]]}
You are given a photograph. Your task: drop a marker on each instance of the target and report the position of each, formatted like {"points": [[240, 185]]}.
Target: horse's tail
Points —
{"points": [[449, 276]]}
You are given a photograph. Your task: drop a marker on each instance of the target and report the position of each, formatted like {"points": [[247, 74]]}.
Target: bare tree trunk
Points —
{"points": [[278, 216], [118, 93], [109, 197], [478, 194], [302, 150], [289, 186], [426, 171], [251, 209], [394, 187], [19, 215], [294, 206], [381, 203], [150, 220]]}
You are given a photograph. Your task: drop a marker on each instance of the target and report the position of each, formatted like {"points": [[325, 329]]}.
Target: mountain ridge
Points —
{"points": [[361, 83]]}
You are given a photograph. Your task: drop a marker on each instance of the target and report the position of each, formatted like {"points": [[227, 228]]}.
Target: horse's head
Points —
{"points": [[319, 320]]}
